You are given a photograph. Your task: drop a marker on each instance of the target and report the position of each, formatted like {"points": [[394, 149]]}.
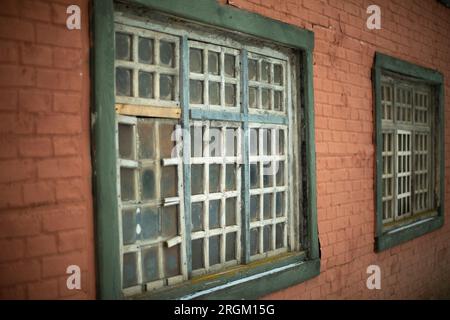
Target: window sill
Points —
{"points": [[245, 282], [408, 232]]}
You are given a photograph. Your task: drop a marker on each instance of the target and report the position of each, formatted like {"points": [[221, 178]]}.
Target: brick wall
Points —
{"points": [[46, 216]]}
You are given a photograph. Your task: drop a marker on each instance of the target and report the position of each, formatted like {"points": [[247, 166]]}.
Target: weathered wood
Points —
{"points": [[148, 111]]}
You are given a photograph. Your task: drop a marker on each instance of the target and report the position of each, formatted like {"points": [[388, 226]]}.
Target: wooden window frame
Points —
{"points": [[255, 278], [389, 237]]}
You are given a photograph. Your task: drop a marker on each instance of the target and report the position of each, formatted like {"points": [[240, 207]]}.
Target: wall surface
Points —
{"points": [[46, 215], [46, 211]]}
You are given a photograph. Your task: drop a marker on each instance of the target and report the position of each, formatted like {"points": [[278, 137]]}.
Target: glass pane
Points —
{"points": [[129, 269], [197, 216], [229, 65], [267, 238], [278, 100], [253, 97], [169, 221], [214, 250], [166, 87], [254, 175], [197, 254], [167, 53], [230, 246], [213, 62], [123, 46], [280, 142], [266, 141], [146, 132], [123, 82], [267, 174], [196, 91], [280, 204], [267, 209], [197, 178], [172, 261], [196, 60], [230, 95], [254, 241], [145, 84], [230, 177], [279, 240], [230, 217], [254, 208], [214, 178], [128, 226], [126, 141], [278, 73], [252, 69], [150, 266], [215, 143], [150, 223], [265, 98], [265, 71], [280, 173], [231, 142], [214, 214], [127, 184], [148, 186], [169, 181], [253, 142], [145, 50], [214, 93], [167, 140], [196, 141]]}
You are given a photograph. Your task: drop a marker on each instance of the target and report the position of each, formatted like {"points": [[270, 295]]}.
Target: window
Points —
{"points": [[409, 146], [213, 157]]}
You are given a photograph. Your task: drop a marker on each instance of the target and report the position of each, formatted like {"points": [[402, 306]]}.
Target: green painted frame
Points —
{"points": [[292, 270], [385, 240]]}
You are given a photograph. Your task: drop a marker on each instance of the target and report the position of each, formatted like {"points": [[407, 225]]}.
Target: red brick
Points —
{"points": [[67, 145], [16, 76], [18, 225], [59, 13], [59, 124], [8, 99], [55, 79], [59, 168], [57, 265], [17, 29], [43, 290], [67, 58], [16, 170], [71, 240], [19, 272], [64, 218], [9, 52], [12, 249], [58, 36], [35, 147], [11, 195], [35, 10], [13, 292], [39, 193], [70, 190], [41, 245], [36, 55], [67, 103]]}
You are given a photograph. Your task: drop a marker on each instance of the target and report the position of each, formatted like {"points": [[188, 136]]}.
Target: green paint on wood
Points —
{"points": [[435, 79], [212, 13], [104, 153]]}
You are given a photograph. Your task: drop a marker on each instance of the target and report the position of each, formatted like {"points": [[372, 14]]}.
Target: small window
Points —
{"points": [[213, 153], [409, 135]]}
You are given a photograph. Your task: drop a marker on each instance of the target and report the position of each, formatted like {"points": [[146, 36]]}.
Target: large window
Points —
{"points": [[409, 136], [213, 159]]}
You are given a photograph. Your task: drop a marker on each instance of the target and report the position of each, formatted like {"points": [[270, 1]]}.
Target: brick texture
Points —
{"points": [[46, 215]]}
